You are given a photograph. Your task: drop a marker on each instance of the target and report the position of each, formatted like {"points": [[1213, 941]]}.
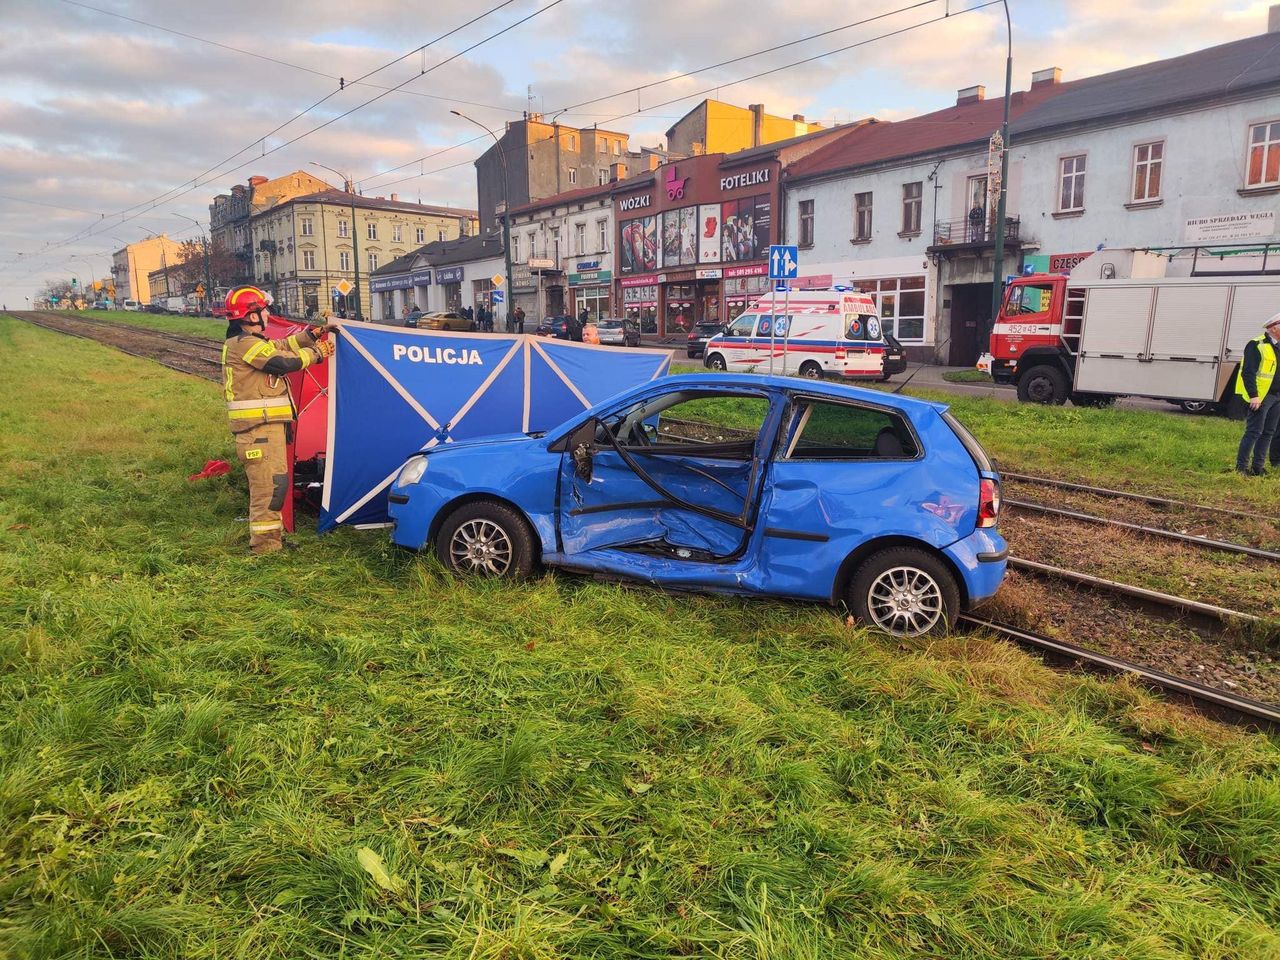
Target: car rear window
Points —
{"points": [[828, 430]]}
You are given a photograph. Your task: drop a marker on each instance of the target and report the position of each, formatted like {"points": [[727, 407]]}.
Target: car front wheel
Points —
{"points": [[905, 592], [811, 370], [1043, 384], [715, 362], [486, 539]]}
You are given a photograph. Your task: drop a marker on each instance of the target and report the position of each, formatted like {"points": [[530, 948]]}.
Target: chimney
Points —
{"points": [[395, 197], [346, 186], [255, 181], [618, 172], [1052, 76], [757, 123], [798, 117], [971, 95], [1273, 19]]}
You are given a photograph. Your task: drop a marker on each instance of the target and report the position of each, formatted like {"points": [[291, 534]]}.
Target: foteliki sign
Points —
{"points": [[739, 180]]}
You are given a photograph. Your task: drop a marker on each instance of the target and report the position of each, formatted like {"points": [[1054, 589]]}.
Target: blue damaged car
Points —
{"points": [[736, 483]]}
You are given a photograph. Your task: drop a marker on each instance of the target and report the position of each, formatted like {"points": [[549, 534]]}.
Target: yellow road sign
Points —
{"points": [[497, 280], [344, 287], [199, 289]]}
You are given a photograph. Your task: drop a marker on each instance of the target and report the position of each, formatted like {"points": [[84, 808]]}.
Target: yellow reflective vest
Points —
{"points": [[253, 377], [1266, 369]]}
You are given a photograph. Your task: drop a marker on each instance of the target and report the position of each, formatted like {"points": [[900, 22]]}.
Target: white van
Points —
{"points": [[823, 332], [132, 305]]}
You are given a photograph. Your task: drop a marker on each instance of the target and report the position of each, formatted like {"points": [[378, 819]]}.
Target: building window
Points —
{"points": [[396, 233], [902, 303], [617, 148], [602, 146], [373, 261], [572, 142], [533, 245], [602, 235], [911, 203], [1148, 165], [441, 234], [806, 223], [308, 227], [1071, 193], [862, 216], [1264, 155], [515, 248], [573, 174], [344, 260], [308, 259], [602, 176], [580, 237], [344, 228], [371, 228], [420, 235]]}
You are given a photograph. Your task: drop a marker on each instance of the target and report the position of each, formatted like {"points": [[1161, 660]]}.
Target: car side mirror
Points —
{"points": [[582, 449]]}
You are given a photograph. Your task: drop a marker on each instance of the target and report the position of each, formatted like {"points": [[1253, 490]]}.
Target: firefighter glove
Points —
{"points": [[324, 348]]}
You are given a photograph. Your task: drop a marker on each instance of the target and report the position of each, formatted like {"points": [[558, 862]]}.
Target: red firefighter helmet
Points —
{"points": [[243, 300]]}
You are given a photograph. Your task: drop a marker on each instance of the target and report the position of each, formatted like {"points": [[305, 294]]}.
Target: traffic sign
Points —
{"points": [[496, 296], [344, 287], [781, 286], [199, 289], [497, 279], [784, 262]]}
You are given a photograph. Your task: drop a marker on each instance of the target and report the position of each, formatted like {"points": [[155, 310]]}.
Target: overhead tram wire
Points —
{"points": [[278, 61], [195, 183], [704, 92], [92, 231], [655, 83]]}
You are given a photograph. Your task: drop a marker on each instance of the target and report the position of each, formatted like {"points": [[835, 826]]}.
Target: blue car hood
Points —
{"points": [[480, 442]]}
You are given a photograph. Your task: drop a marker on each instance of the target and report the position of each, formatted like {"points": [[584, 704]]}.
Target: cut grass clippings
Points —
{"points": [[342, 752]]}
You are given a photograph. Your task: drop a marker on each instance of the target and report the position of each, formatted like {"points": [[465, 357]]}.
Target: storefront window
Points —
{"points": [[901, 301], [679, 308], [680, 237], [641, 307], [453, 296], [744, 228], [741, 292], [595, 300], [639, 245]]}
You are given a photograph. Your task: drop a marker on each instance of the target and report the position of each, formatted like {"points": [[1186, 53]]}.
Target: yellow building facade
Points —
{"points": [[132, 266], [304, 247], [717, 127]]}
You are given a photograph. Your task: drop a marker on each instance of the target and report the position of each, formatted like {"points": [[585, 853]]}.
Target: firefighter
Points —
{"points": [[259, 407], [1255, 384]]}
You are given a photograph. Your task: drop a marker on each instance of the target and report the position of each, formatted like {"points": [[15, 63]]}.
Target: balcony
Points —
{"points": [[969, 233]]}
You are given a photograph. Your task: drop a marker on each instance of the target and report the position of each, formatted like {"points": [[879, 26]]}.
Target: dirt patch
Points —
{"points": [[200, 358]]}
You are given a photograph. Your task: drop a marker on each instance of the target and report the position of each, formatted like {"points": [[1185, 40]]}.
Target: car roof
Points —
{"points": [[798, 385]]}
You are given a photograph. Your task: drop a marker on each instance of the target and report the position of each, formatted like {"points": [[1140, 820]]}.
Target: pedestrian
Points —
{"points": [[519, 320], [1255, 385], [259, 407]]}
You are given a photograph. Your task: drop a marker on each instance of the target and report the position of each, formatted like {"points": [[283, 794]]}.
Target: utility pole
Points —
{"points": [[997, 259], [506, 214], [350, 187]]}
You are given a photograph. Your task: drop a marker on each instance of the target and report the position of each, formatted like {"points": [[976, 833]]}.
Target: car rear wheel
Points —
{"points": [[1043, 384], [905, 592], [811, 370], [486, 539], [1196, 406]]}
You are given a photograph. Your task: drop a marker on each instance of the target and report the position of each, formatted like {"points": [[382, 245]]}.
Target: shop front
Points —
{"points": [[450, 281], [590, 288], [692, 236], [385, 300]]}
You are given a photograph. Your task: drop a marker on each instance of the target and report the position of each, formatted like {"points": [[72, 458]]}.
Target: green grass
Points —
{"points": [[966, 376], [343, 752], [169, 323]]}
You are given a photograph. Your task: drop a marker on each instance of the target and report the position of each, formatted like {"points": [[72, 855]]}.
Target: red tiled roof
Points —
{"points": [[955, 126], [570, 196]]}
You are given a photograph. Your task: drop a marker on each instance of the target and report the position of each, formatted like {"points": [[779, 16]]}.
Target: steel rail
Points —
{"points": [[156, 357], [1125, 494], [1210, 700], [173, 337], [1205, 542], [1221, 614]]}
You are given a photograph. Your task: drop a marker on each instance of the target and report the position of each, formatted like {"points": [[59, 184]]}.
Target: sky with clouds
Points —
{"points": [[112, 129]]}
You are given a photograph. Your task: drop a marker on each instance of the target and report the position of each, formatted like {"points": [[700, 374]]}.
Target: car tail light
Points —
{"points": [[692, 335], [988, 502]]}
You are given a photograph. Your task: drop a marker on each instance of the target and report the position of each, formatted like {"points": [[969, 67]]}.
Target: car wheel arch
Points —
{"points": [[849, 566], [458, 503]]}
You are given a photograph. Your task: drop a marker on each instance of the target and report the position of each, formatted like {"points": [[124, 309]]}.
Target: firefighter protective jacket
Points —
{"points": [[253, 370]]}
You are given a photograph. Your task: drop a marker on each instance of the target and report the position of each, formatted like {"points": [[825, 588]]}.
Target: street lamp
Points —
{"points": [[506, 212], [208, 276], [355, 241], [997, 260], [92, 279]]}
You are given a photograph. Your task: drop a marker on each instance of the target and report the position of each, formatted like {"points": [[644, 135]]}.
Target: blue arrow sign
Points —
{"points": [[784, 262], [497, 296]]}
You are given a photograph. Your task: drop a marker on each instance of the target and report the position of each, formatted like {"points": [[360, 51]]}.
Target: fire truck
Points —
{"points": [[1169, 324]]}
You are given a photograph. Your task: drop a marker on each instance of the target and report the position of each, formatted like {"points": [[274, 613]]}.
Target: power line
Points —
{"points": [[279, 62], [196, 183]]}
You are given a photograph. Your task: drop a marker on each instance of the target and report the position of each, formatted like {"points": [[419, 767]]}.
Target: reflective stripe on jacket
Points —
{"points": [[1265, 372], [253, 371]]}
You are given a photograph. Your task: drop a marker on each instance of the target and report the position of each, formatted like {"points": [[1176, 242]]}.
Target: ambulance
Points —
{"points": [[814, 333]]}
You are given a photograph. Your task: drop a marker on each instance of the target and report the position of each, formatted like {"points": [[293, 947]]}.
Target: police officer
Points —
{"points": [[259, 407], [1255, 384]]}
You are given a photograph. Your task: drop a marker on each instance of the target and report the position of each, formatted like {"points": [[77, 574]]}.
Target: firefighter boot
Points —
{"points": [[262, 451]]}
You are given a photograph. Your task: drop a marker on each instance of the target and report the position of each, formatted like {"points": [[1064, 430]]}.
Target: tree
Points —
{"points": [[61, 289], [225, 268]]}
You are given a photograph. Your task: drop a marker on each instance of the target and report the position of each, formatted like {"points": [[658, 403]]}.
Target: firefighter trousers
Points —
{"points": [[262, 451]]}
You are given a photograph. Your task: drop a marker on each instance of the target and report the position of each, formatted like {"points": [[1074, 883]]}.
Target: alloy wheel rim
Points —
{"points": [[481, 546], [905, 601]]}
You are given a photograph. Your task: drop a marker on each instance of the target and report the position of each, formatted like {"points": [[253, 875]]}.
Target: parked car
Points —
{"points": [[412, 319], [819, 491], [444, 320], [615, 331], [557, 327], [895, 357], [101, 305], [132, 305], [700, 334], [156, 307]]}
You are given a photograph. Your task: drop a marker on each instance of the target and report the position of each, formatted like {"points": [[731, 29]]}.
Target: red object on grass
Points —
{"points": [[212, 468]]}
